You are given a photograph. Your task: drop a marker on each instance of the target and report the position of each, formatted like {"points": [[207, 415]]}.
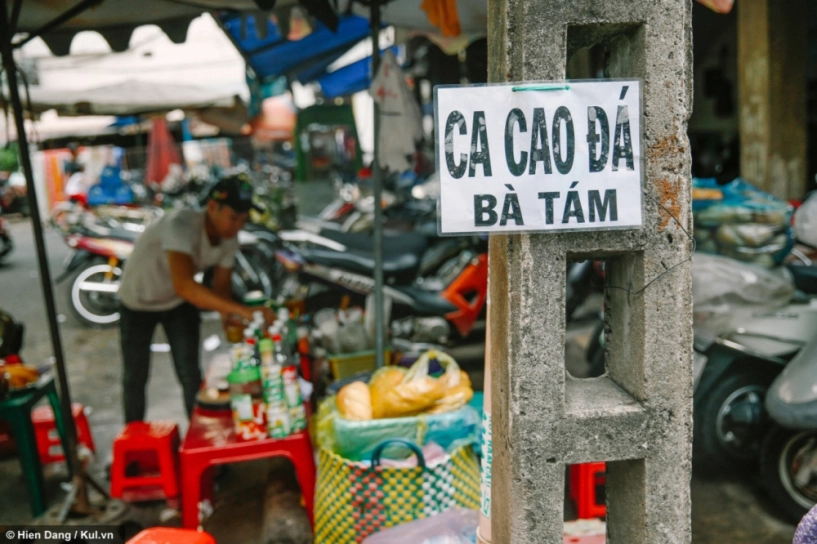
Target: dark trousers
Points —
{"points": [[181, 325]]}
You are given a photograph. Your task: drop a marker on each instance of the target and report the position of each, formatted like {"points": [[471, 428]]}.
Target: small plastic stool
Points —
{"points": [[169, 535], [48, 440], [584, 481], [153, 448]]}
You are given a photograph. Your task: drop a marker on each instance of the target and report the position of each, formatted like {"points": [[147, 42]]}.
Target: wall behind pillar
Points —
{"points": [[772, 57]]}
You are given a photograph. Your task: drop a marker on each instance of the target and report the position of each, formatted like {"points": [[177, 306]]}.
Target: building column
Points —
{"points": [[638, 416], [772, 53]]}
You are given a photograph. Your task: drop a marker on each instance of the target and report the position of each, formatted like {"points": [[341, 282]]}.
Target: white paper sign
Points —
{"points": [[539, 157]]}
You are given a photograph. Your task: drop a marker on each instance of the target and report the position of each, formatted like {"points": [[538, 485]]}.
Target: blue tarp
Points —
{"points": [[348, 80], [125, 121], [274, 56]]}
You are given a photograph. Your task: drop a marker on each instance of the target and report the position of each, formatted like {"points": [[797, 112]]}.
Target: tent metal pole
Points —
{"points": [[377, 185], [74, 466], [15, 14]]}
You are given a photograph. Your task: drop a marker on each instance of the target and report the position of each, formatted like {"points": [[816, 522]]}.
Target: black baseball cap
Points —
{"points": [[235, 192]]}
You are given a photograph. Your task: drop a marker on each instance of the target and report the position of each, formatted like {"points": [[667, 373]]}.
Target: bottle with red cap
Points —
{"points": [[292, 389]]}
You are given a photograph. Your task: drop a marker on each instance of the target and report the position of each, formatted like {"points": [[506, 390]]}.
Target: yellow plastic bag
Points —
{"points": [[456, 395], [354, 401], [396, 392]]}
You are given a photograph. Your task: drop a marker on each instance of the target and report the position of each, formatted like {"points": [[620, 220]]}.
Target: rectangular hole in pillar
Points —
{"points": [[588, 63], [623, 317], [585, 502], [604, 495], [605, 51], [584, 313]]}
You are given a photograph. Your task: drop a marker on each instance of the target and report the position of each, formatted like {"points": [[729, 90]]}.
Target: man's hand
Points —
{"points": [[269, 316], [248, 313], [233, 327], [231, 321]]}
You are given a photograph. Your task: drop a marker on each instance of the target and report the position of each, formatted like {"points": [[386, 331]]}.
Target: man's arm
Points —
{"points": [[223, 282], [223, 287], [182, 271]]}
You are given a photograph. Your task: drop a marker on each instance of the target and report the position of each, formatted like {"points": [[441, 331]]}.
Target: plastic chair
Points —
{"points": [[16, 410], [584, 481], [169, 535], [48, 440], [153, 447]]}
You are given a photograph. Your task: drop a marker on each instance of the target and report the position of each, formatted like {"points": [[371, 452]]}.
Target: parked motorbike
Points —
{"points": [[788, 458], [14, 195], [733, 370], [95, 267], [101, 249], [427, 307]]}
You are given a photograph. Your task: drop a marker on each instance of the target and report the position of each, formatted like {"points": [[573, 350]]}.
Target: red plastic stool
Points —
{"points": [[153, 448], [169, 535], [584, 480], [48, 440]]}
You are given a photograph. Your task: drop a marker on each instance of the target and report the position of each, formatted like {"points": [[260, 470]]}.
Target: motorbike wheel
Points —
{"points": [[730, 422], [93, 308], [251, 273], [784, 454]]}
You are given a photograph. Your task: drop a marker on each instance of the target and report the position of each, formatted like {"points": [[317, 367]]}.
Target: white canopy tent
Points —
{"points": [[131, 97]]}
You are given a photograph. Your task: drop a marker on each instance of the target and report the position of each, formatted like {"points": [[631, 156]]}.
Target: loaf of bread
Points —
{"points": [[355, 402]]}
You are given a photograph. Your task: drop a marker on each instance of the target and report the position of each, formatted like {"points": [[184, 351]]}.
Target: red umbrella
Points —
{"points": [[162, 152]]}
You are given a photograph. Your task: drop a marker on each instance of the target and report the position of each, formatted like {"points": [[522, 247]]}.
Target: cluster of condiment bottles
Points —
{"points": [[265, 395]]}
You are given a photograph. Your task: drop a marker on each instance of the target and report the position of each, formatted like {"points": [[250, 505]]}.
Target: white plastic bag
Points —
{"points": [[805, 221], [723, 286], [458, 526]]}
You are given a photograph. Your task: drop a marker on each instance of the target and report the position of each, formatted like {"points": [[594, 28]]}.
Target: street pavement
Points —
{"points": [[724, 510]]}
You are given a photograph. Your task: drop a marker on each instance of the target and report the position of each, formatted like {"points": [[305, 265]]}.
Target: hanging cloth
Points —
{"points": [[161, 153], [401, 125]]}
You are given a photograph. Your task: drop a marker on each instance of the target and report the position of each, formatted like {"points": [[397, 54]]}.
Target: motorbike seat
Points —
{"points": [[409, 242], [428, 302], [115, 233], [805, 278], [401, 255]]}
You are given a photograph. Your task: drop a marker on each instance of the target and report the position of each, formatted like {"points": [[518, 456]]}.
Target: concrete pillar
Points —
{"points": [[772, 55], [638, 417]]}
